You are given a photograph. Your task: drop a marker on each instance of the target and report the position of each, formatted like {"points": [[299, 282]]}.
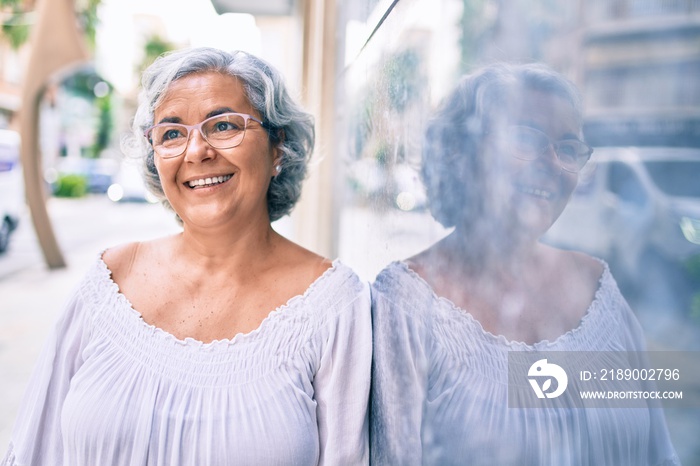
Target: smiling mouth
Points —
{"points": [[536, 192], [208, 182]]}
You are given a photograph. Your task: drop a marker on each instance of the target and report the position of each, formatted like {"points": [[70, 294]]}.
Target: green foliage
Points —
{"points": [[695, 307], [71, 186], [155, 47], [692, 265], [87, 17], [475, 25], [401, 79], [82, 82], [106, 123], [15, 28]]}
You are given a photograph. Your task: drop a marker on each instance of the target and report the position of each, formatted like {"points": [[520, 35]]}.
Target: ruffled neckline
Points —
{"points": [[293, 306], [457, 312]]}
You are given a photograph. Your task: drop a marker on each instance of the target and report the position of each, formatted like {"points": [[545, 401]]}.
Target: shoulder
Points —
{"points": [[614, 315], [330, 286], [394, 278], [400, 294], [120, 261], [301, 271], [587, 270], [590, 267], [120, 258], [307, 268]]}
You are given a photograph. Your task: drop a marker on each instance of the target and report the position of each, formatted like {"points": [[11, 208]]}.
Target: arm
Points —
{"points": [[399, 383], [36, 437], [341, 385]]}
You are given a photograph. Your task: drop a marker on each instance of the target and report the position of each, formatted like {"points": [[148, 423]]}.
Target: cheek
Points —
{"points": [[568, 183], [166, 175]]}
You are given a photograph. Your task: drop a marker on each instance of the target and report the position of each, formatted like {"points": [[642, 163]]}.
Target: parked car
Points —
{"points": [[11, 192], [129, 186], [98, 173], [639, 209]]}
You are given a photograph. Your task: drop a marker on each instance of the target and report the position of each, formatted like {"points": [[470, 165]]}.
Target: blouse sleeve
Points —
{"points": [[399, 382], [36, 437], [342, 383]]}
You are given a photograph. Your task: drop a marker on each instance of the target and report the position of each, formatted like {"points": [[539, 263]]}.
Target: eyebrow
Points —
{"points": [[570, 136], [565, 137], [170, 120], [218, 111]]}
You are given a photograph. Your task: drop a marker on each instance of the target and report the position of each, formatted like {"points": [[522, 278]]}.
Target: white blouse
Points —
{"points": [[440, 387], [109, 389]]}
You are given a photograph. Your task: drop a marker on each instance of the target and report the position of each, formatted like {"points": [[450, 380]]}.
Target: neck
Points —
{"points": [[233, 249], [490, 254]]}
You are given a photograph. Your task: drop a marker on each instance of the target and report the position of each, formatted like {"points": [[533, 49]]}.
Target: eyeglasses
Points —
{"points": [[526, 143], [224, 131]]}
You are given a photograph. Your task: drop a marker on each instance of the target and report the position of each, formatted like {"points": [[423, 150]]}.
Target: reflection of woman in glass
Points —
{"points": [[223, 344], [501, 160]]}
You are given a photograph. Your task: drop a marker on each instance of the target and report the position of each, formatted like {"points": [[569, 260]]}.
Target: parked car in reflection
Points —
{"points": [[11, 186], [639, 209]]}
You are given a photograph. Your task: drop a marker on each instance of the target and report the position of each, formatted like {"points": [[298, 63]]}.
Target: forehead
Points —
{"points": [[200, 93], [547, 111]]}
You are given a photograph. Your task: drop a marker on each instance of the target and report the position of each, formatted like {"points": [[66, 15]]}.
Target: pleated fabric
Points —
{"points": [[110, 389], [440, 387]]}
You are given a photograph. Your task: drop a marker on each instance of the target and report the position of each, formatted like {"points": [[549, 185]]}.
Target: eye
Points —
{"points": [[167, 134], [171, 134], [223, 126], [568, 149], [230, 124], [525, 140]]}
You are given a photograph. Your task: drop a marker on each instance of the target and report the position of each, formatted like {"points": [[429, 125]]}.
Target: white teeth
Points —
{"points": [[209, 181], [536, 192]]}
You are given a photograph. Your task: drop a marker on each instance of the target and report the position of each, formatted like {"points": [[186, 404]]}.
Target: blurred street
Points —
{"points": [[32, 296]]}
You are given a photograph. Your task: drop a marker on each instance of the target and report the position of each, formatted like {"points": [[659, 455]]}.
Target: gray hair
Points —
{"points": [[289, 127], [451, 159]]}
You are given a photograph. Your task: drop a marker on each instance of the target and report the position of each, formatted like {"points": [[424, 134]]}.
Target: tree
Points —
{"points": [[17, 20], [15, 23], [155, 47]]}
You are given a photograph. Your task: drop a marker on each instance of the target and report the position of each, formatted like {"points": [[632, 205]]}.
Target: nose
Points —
{"points": [[197, 148]]}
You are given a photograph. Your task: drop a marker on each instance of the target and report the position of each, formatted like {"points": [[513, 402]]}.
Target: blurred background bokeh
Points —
{"points": [[371, 71]]}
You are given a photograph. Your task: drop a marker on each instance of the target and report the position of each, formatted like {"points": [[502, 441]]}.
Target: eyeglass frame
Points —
{"points": [[198, 127], [553, 144]]}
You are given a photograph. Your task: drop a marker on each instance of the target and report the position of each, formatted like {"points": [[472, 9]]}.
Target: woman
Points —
{"points": [[500, 161], [223, 344]]}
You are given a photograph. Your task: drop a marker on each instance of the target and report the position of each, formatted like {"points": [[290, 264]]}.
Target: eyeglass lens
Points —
{"points": [[529, 144], [221, 132]]}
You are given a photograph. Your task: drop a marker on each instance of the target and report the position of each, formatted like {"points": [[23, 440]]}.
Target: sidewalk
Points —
{"points": [[33, 297]]}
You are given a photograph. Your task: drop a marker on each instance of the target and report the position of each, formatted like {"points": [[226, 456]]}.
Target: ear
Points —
{"points": [[276, 168], [277, 154]]}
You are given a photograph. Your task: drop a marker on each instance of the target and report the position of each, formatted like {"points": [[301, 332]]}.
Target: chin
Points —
{"points": [[535, 219]]}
